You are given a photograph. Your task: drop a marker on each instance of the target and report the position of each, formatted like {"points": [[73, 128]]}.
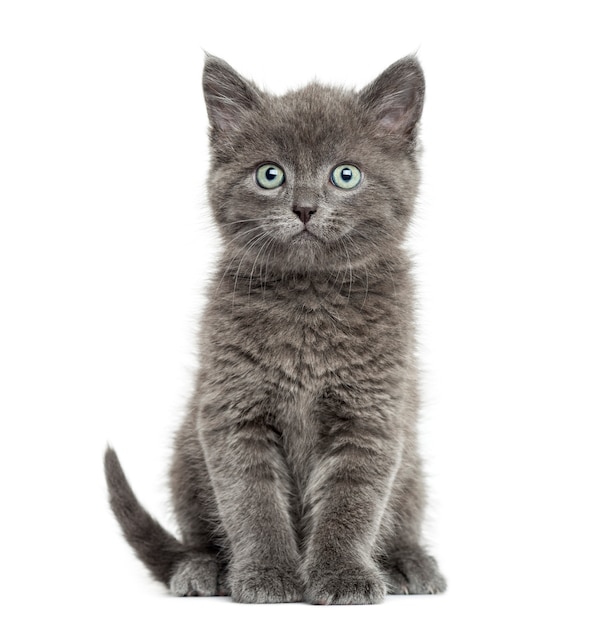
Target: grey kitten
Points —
{"points": [[296, 473]]}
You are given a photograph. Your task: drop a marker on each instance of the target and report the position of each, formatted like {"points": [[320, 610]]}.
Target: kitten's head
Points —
{"points": [[318, 179]]}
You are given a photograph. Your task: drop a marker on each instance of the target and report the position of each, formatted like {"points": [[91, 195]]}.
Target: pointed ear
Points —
{"points": [[228, 96], [396, 97]]}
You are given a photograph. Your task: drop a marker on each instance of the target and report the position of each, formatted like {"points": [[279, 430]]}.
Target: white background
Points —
{"points": [[106, 244]]}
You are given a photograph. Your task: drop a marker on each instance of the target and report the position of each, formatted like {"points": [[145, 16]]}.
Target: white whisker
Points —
{"points": [[252, 243], [265, 244]]}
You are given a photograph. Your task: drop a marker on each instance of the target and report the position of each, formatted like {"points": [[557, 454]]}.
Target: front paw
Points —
{"points": [[260, 584], [352, 585]]}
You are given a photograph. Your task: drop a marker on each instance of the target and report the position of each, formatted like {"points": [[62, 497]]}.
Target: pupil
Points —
{"points": [[271, 173], [346, 175]]}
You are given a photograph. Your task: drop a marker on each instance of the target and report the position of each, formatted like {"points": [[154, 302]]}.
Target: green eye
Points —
{"points": [[270, 176], [346, 176]]}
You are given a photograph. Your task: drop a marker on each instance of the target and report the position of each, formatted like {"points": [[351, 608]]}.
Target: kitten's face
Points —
{"points": [[317, 179]]}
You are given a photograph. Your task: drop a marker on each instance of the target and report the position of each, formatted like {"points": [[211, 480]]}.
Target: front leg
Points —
{"points": [[251, 485], [346, 499]]}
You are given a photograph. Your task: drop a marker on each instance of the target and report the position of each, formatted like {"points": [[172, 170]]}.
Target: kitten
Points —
{"points": [[296, 473]]}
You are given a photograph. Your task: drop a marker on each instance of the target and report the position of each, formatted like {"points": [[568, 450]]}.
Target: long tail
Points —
{"points": [[153, 545]]}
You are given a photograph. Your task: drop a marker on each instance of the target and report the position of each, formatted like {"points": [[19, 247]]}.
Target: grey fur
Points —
{"points": [[296, 473]]}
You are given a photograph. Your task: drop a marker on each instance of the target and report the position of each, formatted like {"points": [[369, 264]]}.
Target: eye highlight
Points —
{"points": [[345, 176], [269, 176]]}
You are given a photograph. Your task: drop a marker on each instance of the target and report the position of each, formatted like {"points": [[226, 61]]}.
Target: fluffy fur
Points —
{"points": [[296, 473]]}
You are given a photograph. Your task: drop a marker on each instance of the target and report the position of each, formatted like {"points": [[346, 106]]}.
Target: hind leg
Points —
{"points": [[408, 568], [202, 571]]}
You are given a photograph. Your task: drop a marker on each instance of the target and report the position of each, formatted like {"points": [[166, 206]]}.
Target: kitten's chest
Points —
{"points": [[314, 337], [304, 335]]}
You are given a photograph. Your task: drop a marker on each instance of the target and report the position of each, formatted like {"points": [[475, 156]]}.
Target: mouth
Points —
{"points": [[304, 235]]}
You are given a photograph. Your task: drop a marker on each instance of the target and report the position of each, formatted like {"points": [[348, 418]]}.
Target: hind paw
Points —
{"points": [[411, 570], [195, 576]]}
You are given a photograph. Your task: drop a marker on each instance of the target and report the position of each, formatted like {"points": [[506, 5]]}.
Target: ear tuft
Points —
{"points": [[228, 96], [396, 97]]}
